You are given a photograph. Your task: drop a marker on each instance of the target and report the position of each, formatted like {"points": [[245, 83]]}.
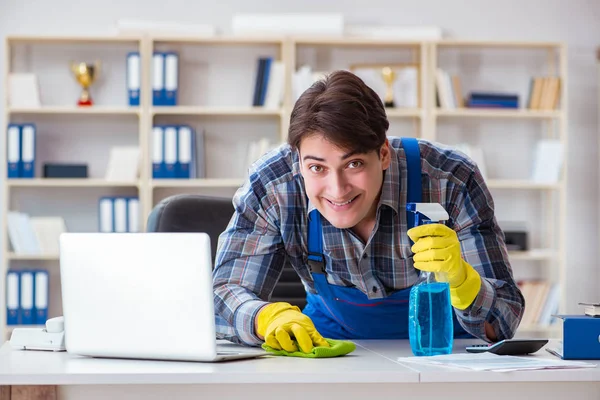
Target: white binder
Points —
{"points": [[120, 210], [133, 78], [28, 151], [170, 151], [185, 152], [133, 214], [12, 297], [157, 152], [106, 215], [171, 78], [27, 317], [158, 77], [13, 151], [41, 297]]}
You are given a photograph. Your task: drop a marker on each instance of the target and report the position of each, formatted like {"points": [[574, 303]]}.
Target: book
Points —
{"points": [[591, 309]]}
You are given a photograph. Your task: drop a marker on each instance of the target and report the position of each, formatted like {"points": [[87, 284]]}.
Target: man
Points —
{"points": [[333, 203]]}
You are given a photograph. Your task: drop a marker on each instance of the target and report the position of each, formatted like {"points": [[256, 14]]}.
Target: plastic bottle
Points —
{"points": [[431, 330]]}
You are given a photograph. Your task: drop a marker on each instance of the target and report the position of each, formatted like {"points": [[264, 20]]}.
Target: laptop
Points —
{"points": [[141, 296]]}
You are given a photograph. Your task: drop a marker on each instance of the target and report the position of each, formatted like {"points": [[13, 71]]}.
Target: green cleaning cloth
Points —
{"points": [[337, 348]]}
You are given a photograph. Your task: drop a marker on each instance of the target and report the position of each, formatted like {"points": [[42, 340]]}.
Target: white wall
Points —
{"points": [[574, 22]]}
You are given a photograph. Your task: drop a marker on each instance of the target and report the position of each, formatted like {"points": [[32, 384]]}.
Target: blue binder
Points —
{"points": [[581, 338], [41, 286], [265, 80], [27, 293], [13, 297], [171, 81], [133, 78], [185, 151], [158, 152], [158, 79], [28, 150], [170, 153], [13, 150], [106, 215]]}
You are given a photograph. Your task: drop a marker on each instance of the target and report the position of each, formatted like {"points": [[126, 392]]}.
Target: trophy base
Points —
{"points": [[85, 103], [389, 104]]}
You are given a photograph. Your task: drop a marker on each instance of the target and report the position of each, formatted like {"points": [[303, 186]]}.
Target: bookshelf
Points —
{"points": [[216, 80], [541, 206]]}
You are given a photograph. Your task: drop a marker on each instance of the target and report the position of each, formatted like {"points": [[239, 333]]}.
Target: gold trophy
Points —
{"points": [[389, 76], [85, 74]]}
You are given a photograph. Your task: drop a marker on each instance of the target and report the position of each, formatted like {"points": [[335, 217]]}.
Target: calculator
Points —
{"points": [[509, 347]]}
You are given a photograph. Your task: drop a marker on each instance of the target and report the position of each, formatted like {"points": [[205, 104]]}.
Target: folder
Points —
{"points": [[158, 79], [133, 78], [158, 153], [581, 338], [12, 297], [171, 78], [170, 142], [27, 293], [28, 151], [13, 150], [184, 152], [41, 285], [105, 215], [265, 80], [120, 214], [133, 214]]}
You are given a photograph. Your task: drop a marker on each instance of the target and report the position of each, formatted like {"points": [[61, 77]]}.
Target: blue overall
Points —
{"points": [[340, 312]]}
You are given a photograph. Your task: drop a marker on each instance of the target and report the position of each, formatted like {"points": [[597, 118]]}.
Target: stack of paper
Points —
{"points": [[493, 362]]}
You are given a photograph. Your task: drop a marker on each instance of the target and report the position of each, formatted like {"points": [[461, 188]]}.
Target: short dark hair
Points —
{"points": [[342, 108]]}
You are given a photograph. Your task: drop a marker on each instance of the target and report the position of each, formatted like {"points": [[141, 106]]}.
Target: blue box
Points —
{"points": [[581, 338]]}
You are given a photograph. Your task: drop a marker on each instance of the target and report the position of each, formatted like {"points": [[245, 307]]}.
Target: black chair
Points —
{"points": [[196, 213]]}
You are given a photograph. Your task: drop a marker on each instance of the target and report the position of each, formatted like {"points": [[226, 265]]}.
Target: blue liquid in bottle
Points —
{"points": [[431, 330]]}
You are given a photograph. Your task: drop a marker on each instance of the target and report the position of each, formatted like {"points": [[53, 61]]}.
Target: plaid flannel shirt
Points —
{"points": [[270, 225]]}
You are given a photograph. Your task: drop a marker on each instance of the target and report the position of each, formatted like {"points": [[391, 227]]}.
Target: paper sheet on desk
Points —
{"points": [[493, 362]]}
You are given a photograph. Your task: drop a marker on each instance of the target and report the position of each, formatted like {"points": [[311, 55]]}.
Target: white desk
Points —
{"points": [[370, 371]]}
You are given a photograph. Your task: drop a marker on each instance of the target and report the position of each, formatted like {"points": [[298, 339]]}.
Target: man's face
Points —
{"points": [[343, 186]]}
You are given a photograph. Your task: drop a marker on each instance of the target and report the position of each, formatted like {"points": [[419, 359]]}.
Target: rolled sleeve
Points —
{"points": [[473, 317], [244, 322]]}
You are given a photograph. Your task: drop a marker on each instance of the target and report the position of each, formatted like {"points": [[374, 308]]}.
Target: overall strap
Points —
{"points": [[413, 174], [414, 195]]}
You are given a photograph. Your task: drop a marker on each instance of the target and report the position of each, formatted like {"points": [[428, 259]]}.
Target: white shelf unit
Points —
{"points": [[495, 66], [328, 54], [216, 85], [68, 133], [216, 81]]}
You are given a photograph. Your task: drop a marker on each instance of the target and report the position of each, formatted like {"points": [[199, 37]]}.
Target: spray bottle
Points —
{"points": [[430, 330]]}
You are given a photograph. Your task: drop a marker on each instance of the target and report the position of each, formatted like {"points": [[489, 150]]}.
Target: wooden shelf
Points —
{"points": [[533, 255], [74, 110], [47, 182], [498, 113], [405, 112], [196, 183], [496, 44], [521, 184], [33, 257], [354, 41], [16, 39], [215, 111], [221, 40]]}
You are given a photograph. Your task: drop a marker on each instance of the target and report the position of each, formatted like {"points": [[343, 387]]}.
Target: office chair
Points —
{"points": [[196, 213]]}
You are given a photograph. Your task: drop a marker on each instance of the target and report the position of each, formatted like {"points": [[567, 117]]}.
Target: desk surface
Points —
{"points": [[372, 362]]}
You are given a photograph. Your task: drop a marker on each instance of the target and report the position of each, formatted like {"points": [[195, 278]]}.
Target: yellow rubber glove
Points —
{"points": [[437, 250], [279, 322]]}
